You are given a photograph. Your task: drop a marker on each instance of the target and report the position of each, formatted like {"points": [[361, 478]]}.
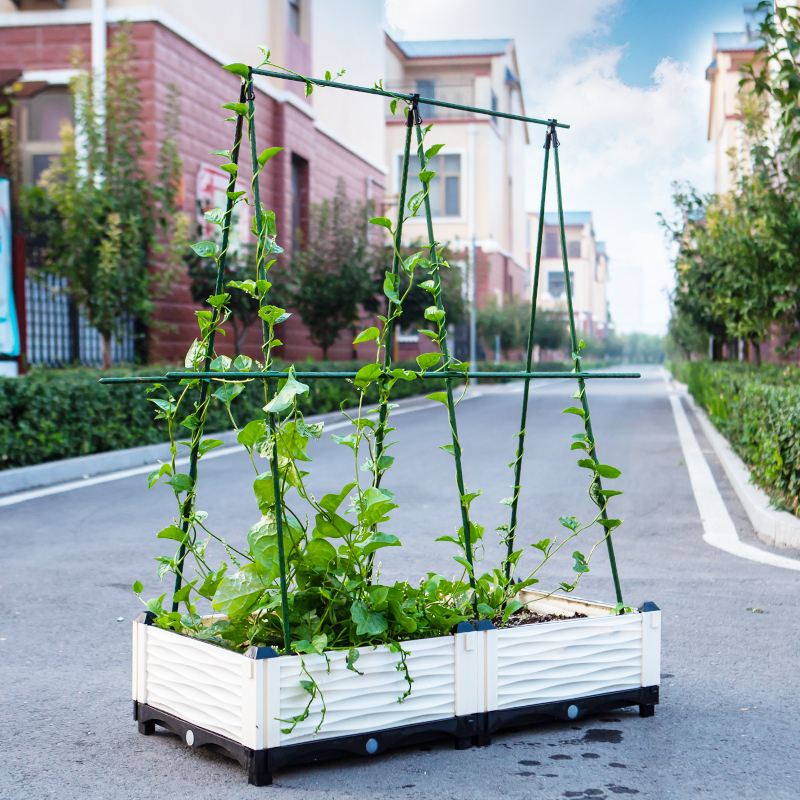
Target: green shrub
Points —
{"points": [[758, 410]]}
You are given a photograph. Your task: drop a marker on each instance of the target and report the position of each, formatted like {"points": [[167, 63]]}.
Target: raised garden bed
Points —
{"points": [[308, 655], [466, 686]]}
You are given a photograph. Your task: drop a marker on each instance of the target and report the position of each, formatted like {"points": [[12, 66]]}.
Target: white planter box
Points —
{"points": [[466, 686]]}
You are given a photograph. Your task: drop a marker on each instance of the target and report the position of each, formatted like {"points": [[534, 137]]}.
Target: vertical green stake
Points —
{"points": [[512, 529], [251, 96], [380, 434], [451, 408], [574, 338], [193, 455]]}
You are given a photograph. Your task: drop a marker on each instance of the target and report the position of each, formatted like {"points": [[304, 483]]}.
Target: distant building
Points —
{"points": [[730, 52], [478, 192], [588, 269]]}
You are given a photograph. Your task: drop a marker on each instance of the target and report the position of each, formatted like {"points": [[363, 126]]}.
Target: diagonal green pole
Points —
{"points": [[194, 453], [576, 354], [271, 386], [512, 529], [380, 434], [451, 408]]}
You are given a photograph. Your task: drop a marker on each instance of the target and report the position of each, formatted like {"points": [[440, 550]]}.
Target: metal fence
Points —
{"points": [[58, 334]]}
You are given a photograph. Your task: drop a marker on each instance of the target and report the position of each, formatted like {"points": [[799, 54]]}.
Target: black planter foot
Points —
{"points": [[147, 728], [257, 772], [647, 711], [463, 744], [481, 740]]}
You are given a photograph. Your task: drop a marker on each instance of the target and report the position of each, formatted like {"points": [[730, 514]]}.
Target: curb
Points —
{"points": [[778, 528], [20, 479]]}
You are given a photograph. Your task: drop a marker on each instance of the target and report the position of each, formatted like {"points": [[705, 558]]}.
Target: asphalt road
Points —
{"points": [[728, 725]]}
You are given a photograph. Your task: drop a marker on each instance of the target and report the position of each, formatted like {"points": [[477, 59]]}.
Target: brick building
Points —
{"points": [[319, 135]]}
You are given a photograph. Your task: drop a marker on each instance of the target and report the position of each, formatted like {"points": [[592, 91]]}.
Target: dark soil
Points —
{"points": [[527, 617]]}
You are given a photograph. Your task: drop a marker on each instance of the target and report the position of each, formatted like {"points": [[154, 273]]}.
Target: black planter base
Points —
{"points": [[470, 731]]}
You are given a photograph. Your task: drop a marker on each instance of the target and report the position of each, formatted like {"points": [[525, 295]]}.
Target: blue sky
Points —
{"points": [[650, 30], [629, 76]]}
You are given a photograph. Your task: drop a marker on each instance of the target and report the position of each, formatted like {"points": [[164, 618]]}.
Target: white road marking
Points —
{"points": [[718, 527], [46, 491]]}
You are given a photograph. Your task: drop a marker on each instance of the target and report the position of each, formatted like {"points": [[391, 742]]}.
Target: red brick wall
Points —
{"points": [[164, 58]]}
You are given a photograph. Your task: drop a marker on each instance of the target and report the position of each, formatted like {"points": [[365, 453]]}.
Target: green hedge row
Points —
{"points": [[758, 410], [51, 414]]}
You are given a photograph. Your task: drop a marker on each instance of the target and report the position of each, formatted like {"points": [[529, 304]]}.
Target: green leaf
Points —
{"points": [[208, 444], [235, 195], [264, 489], [172, 532], [238, 69], [267, 154], [218, 300], [427, 175], [225, 153], [367, 335], [236, 595], [228, 391], [243, 363], [610, 524], [448, 448], [573, 410], [439, 397], [390, 284], [434, 314], [215, 215], [580, 566], [331, 502], [220, 364], [606, 471], [569, 522], [180, 482], [378, 540], [320, 552], [285, 398], [367, 374], [464, 563], [251, 432], [368, 623], [137, 587], [428, 360], [610, 492], [309, 88], [393, 106], [382, 221], [432, 151], [204, 249], [513, 605], [237, 108], [487, 611], [231, 169], [542, 545], [587, 463]]}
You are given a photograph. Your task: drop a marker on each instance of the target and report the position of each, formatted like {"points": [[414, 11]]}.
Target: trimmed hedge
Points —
{"points": [[758, 410], [51, 414]]}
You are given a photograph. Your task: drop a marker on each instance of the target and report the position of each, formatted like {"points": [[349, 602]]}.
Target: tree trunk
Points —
{"points": [[756, 350], [324, 352], [108, 362]]}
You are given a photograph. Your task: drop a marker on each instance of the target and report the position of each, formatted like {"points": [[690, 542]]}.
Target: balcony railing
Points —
{"points": [[453, 91]]}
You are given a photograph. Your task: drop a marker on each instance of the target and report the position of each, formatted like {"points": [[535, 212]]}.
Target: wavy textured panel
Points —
{"points": [[360, 703], [195, 681], [564, 660]]}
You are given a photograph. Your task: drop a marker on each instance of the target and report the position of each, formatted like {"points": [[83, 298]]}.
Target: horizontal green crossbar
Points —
{"points": [[240, 376], [409, 97]]}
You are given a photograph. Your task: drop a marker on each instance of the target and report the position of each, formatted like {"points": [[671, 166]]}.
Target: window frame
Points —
{"points": [[397, 156], [28, 150]]}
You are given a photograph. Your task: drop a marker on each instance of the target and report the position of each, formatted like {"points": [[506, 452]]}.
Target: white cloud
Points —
{"points": [[626, 145]]}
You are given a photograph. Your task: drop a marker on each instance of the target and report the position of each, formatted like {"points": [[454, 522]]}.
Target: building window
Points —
{"points": [[445, 188], [426, 88], [552, 245], [299, 200], [43, 115], [555, 283], [574, 249], [294, 16]]}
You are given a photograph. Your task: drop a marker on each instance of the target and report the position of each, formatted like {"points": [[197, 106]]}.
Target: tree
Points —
{"points": [[511, 322], [101, 219], [334, 272]]}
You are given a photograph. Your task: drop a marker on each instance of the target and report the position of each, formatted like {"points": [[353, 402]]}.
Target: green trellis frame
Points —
{"points": [[447, 371]]}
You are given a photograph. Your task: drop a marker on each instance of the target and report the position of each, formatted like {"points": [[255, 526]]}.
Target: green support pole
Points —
{"points": [[581, 384], [193, 455], [512, 529], [380, 434], [451, 408], [260, 256]]}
